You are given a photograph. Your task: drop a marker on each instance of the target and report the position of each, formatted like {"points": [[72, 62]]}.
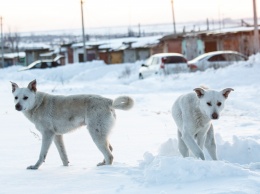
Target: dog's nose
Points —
{"points": [[214, 116], [18, 107]]}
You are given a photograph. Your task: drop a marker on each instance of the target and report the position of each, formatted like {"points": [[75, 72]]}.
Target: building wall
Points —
{"points": [[116, 57], [130, 56], [69, 58], [172, 46], [105, 57], [76, 54], [240, 42], [157, 49], [143, 54], [246, 44], [192, 47]]}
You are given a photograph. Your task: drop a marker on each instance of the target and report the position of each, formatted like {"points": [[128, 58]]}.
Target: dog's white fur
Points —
{"points": [[55, 115], [193, 114]]}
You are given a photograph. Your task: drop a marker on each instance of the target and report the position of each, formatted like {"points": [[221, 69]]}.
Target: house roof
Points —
{"points": [[223, 31], [14, 55], [121, 43], [216, 32]]}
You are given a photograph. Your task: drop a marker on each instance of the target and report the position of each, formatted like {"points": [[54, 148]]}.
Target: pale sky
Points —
{"points": [[44, 15]]}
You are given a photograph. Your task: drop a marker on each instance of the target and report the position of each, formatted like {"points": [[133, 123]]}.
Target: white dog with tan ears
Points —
{"points": [[55, 115], [193, 114]]}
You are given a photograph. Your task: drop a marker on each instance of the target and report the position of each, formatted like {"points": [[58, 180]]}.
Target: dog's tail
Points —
{"points": [[123, 103]]}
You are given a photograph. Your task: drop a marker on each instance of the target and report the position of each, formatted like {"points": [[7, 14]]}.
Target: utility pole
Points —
{"points": [[2, 42], [83, 33], [256, 32], [173, 18]]}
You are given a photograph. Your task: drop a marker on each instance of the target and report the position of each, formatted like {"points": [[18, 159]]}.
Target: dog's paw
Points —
{"points": [[201, 156], [66, 164], [33, 167], [101, 163]]}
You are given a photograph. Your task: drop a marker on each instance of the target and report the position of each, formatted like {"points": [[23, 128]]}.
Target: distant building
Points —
{"points": [[33, 54], [11, 59], [192, 44]]}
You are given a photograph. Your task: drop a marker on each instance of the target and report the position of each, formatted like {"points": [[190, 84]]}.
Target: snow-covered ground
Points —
{"points": [[146, 157]]}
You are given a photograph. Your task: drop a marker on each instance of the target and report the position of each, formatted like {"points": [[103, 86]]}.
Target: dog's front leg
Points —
{"points": [[192, 145], [47, 138], [58, 140], [210, 143], [201, 137], [184, 150]]}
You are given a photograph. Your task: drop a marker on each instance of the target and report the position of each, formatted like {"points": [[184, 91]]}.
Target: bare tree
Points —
{"points": [[12, 40]]}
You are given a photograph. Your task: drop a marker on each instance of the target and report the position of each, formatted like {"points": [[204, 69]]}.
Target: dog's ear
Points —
{"points": [[32, 85], [14, 86], [199, 91], [226, 92]]}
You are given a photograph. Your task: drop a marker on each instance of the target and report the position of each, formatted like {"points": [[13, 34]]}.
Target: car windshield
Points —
{"points": [[200, 57], [33, 64], [218, 57], [174, 59]]}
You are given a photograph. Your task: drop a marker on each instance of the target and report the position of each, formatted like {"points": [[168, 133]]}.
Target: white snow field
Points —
{"points": [[146, 157]]}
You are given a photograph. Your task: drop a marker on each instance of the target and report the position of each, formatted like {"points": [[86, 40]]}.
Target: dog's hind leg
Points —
{"points": [[99, 135], [210, 143], [182, 146], [104, 146], [47, 138], [58, 140], [104, 162]]}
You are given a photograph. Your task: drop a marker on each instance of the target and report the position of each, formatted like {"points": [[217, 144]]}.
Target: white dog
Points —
{"points": [[193, 113], [55, 115]]}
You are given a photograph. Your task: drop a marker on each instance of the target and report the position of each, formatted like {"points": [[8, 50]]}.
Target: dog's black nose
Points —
{"points": [[18, 107], [214, 116]]}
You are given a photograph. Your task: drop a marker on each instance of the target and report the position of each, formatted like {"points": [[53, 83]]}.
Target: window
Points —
{"points": [[215, 58], [38, 65], [174, 59], [240, 58], [155, 61], [230, 57], [234, 57], [149, 61]]}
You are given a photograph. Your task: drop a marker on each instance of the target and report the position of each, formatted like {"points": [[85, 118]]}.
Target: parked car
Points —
{"points": [[216, 59], [42, 64], [165, 63]]}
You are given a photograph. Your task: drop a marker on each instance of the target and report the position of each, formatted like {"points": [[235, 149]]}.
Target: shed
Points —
{"points": [[33, 54]]}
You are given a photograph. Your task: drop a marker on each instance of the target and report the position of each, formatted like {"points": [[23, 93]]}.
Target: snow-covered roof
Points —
{"points": [[33, 45], [14, 55], [224, 30], [120, 43]]}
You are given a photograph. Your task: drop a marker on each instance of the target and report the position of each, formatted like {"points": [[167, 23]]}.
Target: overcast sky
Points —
{"points": [[41, 15]]}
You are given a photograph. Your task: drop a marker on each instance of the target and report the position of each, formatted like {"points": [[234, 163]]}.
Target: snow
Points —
{"points": [[146, 156]]}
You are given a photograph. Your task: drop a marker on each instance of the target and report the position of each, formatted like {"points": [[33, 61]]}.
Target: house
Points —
{"points": [[118, 50], [11, 59], [192, 44]]}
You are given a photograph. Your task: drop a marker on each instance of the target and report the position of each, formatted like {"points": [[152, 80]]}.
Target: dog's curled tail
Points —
{"points": [[123, 103]]}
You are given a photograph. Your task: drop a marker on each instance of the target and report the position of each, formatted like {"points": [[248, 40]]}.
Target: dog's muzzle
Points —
{"points": [[18, 107]]}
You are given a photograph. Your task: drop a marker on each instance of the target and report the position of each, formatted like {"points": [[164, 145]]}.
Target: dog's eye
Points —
{"points": [[219, 104], [15, 97], [209, 104], [25, 98]]}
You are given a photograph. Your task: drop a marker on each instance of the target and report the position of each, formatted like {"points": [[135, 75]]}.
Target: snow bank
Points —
{"points": [[238, 158]]}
